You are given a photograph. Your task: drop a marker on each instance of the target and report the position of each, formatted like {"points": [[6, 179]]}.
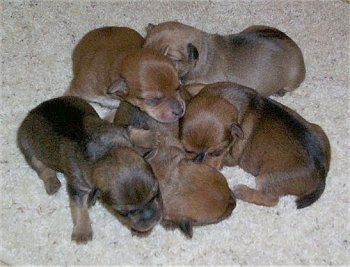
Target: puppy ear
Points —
{"points": [[186, 227], [236, 130], [193, 89], [192, 52], [118, 87], [149, 27]]}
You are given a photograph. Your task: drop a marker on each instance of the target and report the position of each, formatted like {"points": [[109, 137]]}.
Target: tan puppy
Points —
{"points": [[259, 57], [66, 135], [109, 65], [229, 124], [192, 194]]}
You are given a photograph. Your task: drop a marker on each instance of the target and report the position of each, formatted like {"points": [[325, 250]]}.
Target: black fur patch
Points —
{"points": [[249, 37], [301, 133], [65, 118], [192, 52]]}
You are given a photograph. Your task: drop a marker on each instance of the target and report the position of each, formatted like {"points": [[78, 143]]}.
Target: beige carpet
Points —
{"points": [[37, 40]]}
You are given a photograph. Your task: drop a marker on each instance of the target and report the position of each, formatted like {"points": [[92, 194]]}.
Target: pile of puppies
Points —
{"points": [[183, 103]]}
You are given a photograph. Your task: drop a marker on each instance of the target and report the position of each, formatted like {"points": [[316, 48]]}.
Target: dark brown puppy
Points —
{"points": [[228, 124], [192, 194], [66, 135], [109, 65], [259, 57]]}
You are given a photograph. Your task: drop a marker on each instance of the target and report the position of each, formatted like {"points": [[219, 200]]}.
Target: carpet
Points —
{"points": [[37, 41]]}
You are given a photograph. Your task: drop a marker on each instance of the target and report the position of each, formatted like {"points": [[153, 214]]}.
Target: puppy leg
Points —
{"points": [[261, 196], [51, 182], [254, 196], [82, 231]]}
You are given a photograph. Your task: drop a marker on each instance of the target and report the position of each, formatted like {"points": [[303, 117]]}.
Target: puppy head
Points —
{"points": [[208, 128], [192, 194], [178, 42], [128, 186], [149, 81]]}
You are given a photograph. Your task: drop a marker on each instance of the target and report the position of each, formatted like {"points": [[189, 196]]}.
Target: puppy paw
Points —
{"points": [[280, 93], [241, 191], [144, 138], [82, 234], [52, 184]]}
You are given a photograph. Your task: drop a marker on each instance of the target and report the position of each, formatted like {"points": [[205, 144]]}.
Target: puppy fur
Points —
{"points": [[192, 194], [110, 65], [259, 57], [66, 135], [229, 124]]}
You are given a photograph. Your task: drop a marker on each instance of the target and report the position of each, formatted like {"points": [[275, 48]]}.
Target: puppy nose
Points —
{"points": [[177, 108], [178, 112], [147, 214]]}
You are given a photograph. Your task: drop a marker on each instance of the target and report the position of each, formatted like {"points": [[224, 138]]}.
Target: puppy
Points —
{"points": [[192, 194], [259, 57], [66, 135], [229, 124], [109, 65]]}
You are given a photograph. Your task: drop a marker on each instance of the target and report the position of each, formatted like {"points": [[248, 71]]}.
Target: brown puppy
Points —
{"points": [[192, 194], [109, 65], [66, 135], [229, 124], [259, 57]]}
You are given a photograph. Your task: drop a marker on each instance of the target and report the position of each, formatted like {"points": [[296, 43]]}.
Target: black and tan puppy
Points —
{"points": [[109, 64], [259, 57], [192, 194], [229, 124], [66, 135]]}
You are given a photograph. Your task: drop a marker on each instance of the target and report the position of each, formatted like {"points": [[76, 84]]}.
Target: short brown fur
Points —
{"points": [[192, 194], [66, 135], [286, 154], [259, 57], [110, 65]]}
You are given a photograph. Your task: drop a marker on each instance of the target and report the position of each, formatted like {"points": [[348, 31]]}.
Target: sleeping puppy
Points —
{"points": [[229, 124], [259, 57], [66, 135], [109, 65], [192, 194]]}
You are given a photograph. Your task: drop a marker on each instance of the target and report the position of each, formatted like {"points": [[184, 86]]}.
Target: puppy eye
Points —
{"points": [[123, 213], [190, 152], [153, 101], [126, 213]]}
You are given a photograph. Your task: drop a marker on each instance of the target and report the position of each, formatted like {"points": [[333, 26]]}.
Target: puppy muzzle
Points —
{"points": [[178, 108]]}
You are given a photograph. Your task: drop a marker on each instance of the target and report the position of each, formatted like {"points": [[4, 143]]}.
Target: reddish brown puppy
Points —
{"points": [[229, 124], [109, 65], [66, 135], [192, 194], [260, 57]]}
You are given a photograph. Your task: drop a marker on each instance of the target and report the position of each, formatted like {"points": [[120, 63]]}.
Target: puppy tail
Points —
{"points": [[307, 200]]}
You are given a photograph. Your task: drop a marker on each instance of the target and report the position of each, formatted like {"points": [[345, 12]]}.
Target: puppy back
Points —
{"points": [[113, 40], [65, 116]]}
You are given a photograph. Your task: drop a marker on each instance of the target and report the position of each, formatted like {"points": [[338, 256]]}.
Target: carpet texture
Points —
{"points": [[37, 41]]}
